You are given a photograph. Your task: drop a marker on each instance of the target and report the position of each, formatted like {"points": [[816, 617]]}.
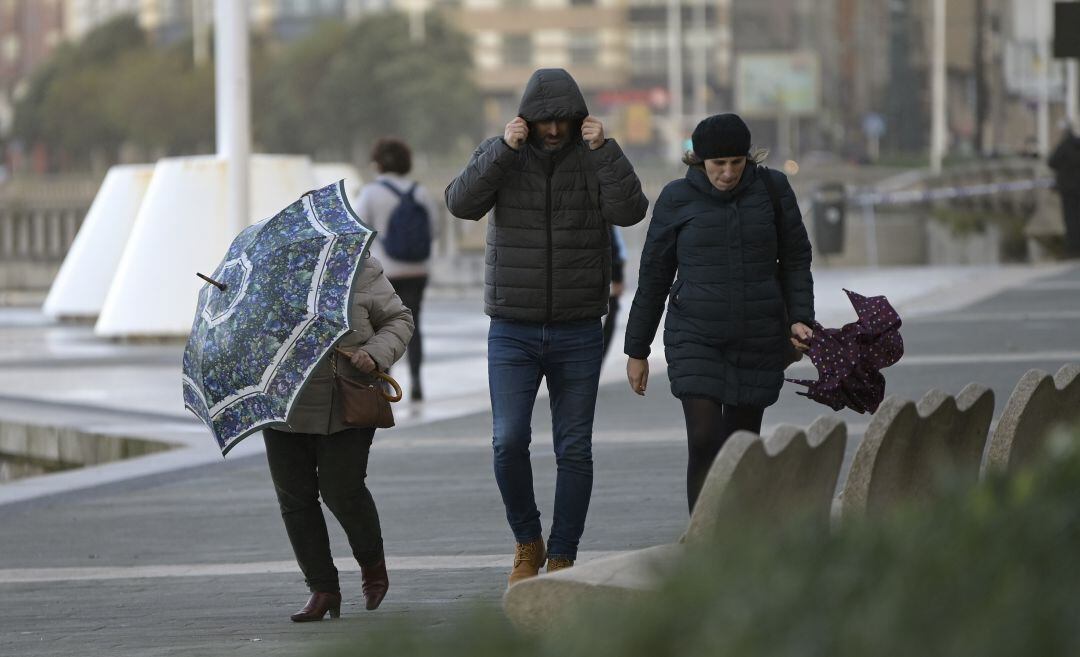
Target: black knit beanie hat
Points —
{"points": [[721, 135]]}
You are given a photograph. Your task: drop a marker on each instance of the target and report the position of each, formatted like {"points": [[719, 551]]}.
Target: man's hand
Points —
{"points": [[801, 336], [592, 131], [517, 131], [362, 361], [637, 373], [617, 289]]}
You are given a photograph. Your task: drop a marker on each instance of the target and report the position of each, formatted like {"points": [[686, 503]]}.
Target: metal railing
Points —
{"points": [[38, 222]]}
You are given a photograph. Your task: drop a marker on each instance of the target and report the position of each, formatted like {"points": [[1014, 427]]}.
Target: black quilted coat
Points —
{"points": [[548, 255], [738, 272]]}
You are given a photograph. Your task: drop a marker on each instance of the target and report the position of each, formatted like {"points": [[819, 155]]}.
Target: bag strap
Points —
{"points": [[397, 192], [774, 196], [778, 212]]}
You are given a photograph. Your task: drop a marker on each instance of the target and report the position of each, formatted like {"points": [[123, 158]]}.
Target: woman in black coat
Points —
{"points": [[742, 295]]}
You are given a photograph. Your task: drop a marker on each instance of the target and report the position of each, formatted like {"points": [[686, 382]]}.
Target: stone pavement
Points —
{"points": [[188, 556]]}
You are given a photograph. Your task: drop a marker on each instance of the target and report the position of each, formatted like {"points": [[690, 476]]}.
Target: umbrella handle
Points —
{"points": [[389, 379], [220, 286], [396, 397]]}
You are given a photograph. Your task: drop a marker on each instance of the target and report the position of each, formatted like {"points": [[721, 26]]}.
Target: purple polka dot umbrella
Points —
{"points": [[849, 359]]}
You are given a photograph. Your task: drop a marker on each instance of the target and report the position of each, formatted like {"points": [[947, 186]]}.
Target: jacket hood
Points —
{"points": [[552, 95]]}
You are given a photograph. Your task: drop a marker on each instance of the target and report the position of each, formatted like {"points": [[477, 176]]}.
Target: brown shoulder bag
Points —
{"points": [[365, 404]]}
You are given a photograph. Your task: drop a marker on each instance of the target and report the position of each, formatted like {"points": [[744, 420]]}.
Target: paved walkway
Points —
{"points": [[188, 557]]}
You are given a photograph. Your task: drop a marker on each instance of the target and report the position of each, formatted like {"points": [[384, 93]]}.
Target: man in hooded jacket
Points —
{"points": [[556, 185]]}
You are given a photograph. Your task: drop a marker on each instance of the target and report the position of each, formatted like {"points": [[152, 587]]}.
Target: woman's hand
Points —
{"points": [[637, 372], [801, 336], [362, 361]]}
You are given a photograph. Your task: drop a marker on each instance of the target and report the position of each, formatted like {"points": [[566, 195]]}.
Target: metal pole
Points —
{"points": [[982, 94], [1072, 94], [1042, 36], [417, 9], [200, 32], [937, 127], [870, 226], [701, 48], [783, 130], [675, 79], [233, 106]]}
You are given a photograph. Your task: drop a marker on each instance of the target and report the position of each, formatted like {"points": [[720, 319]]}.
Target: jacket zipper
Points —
{"points": [[547, 214]]}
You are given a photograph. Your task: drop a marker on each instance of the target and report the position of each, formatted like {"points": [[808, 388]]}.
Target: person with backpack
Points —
{"points": [[406, 219], [728, 254]]}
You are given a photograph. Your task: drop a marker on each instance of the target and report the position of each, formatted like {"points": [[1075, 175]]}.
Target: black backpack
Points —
{"points": [[408, 233]]}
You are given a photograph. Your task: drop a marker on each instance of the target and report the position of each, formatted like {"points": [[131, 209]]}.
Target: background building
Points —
{"points": [[864, 63]]}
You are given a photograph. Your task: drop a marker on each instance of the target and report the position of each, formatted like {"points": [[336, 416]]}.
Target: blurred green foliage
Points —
{"points": [[65, 104], [342, 87], [329, 94], [990, 571]]}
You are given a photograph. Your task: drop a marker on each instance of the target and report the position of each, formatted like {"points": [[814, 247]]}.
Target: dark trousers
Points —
{"points": [[520, 356], [708, 426], [1070, 206], [305, 466], [411, 291]]}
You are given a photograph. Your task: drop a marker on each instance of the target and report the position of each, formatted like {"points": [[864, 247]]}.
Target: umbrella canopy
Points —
{"points": [[849, 359], [282, 305]]}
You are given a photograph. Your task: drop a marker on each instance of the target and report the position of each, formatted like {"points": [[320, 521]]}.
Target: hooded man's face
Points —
{"points": [[552, 135]]}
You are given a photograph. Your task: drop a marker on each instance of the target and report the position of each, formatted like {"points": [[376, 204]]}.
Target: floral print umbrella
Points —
{"points": [[271, 310], [849, 359]]}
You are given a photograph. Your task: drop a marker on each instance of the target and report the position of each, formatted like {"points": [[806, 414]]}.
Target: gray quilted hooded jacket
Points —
{"points": [[548, 255]]}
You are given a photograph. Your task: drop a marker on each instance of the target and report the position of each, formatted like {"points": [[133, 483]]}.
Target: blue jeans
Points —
{"points": [[568, 354]]}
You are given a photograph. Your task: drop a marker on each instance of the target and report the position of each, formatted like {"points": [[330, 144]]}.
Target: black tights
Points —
{"points": [[708, 426]]}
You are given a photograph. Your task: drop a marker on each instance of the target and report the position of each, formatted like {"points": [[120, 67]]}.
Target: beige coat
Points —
{"points": [[382, 326]]}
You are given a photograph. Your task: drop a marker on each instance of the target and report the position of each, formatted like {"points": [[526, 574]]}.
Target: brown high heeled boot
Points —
{"points": [[376, 584], [317, 606]]}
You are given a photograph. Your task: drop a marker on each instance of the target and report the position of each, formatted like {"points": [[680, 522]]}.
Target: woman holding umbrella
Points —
{"points": [[317, 455], [732, 232]]}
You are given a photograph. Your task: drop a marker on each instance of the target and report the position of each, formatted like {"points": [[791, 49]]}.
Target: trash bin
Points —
{"points": [[830, 207]]}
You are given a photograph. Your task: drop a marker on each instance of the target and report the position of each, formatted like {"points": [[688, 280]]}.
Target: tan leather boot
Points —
{"points": [[528, 559], [558, 563]]}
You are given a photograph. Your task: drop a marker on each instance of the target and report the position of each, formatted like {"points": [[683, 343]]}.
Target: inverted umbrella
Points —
{"points": [[849, 359], [273, 308]]}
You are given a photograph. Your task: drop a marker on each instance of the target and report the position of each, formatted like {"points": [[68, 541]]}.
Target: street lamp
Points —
{"points": [[675, 78], [233, 105]]}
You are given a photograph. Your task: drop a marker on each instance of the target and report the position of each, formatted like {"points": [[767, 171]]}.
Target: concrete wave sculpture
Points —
{"points": [[910, 450], [792, 472], [1038, 405]]}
